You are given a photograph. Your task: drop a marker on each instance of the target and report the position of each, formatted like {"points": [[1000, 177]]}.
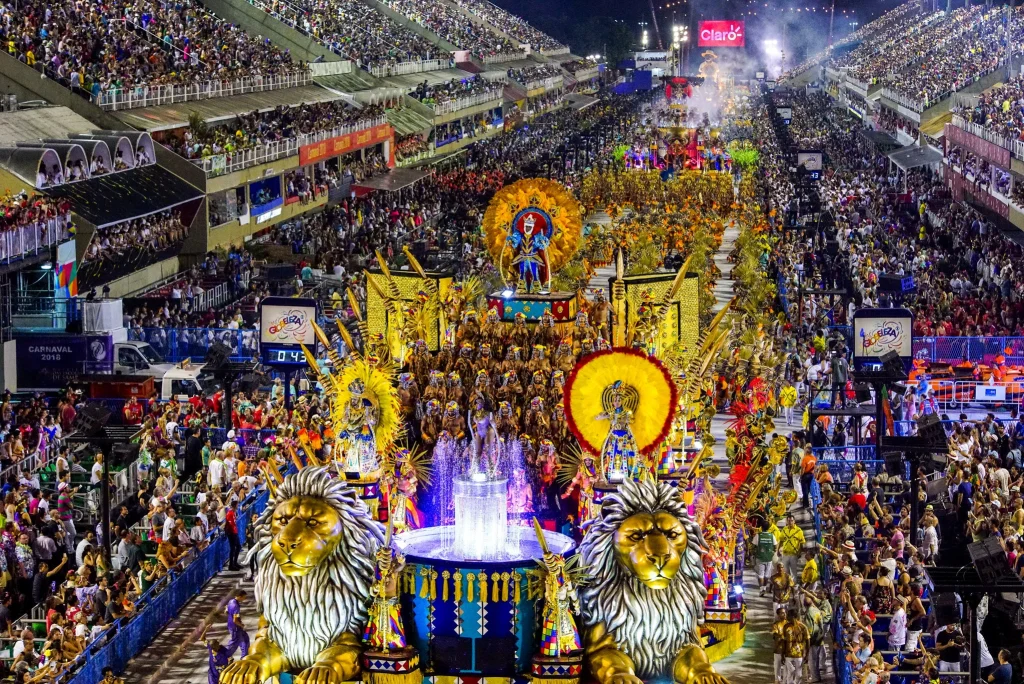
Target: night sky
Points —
{"points": [[806, 21]]}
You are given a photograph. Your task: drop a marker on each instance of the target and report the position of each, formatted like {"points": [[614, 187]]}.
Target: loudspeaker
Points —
{"points": [[74, 327], [947, 609], [217, 355], [990, 559], [91, 420], [863, 391], [929, 429], [124, 454]]}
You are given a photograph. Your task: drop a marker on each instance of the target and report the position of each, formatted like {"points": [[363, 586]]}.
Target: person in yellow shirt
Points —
{"points": [[791, 545], [787, 399], [797, 639], [809, 576], [779, 643], [782, 587]]}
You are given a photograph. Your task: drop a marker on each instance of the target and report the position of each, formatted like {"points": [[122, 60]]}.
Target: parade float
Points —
{"points": [[477, 508]]}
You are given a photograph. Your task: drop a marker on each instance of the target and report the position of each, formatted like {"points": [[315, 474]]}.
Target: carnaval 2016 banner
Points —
{"points": [[343, 144], [720, 34]]}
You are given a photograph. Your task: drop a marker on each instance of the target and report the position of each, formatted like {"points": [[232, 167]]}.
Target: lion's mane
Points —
{"points": [[306, 614], [649, 625]]}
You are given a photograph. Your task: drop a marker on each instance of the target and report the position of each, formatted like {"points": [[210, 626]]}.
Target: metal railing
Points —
{"points": [[116, 99], [547, 83], [32, 237], [907, 101], [552, 52], [504, 57], [413, 67], [466, 102], [222, 164], [587, 74], [955, 350]]}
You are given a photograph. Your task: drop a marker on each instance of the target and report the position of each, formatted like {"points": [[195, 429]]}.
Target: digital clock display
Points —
{"points": [[284, 357]]}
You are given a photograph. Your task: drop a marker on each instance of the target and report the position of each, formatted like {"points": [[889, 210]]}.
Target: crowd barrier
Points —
{"points": [[955, 350], [32, 237], [161, 603], [468, 101], [177, 344], [115, 99]]}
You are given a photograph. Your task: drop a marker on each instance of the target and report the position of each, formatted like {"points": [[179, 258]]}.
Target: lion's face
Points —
{"points": [[305, 531], [650, 547]]}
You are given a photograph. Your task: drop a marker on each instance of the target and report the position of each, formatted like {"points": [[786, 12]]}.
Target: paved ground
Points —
{"points": [[177, 655]]}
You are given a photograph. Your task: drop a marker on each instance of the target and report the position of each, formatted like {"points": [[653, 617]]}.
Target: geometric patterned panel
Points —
{"points": [[408, 283], [682, 324]]}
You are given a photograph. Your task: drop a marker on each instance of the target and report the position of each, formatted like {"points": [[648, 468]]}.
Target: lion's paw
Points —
{"points": [[623, 678], [242, 671], [708, 677], [319, 674]]}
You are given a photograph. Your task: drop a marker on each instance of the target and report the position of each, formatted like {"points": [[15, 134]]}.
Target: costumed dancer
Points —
{"points": [[561, 649], [384, 629], [619, 452]]}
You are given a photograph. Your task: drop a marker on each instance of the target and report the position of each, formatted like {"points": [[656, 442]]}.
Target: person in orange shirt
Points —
{"points": [[808, 464]]}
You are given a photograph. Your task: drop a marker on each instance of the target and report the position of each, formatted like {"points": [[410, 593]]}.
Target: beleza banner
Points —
{"points": [[721, 34], [877, 332], [287, 321]]}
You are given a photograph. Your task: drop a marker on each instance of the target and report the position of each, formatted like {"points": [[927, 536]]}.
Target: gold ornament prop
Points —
{"points": [[548, 196]]}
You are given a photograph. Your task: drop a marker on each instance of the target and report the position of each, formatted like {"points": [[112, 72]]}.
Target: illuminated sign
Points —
{"points": [[720, 34], [287, 321]]}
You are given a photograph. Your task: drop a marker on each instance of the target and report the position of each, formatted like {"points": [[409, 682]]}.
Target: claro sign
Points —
{"points": [[720, 34]]}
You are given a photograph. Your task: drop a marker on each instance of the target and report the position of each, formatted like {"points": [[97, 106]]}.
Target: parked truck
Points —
{"points": [[51, 362]]}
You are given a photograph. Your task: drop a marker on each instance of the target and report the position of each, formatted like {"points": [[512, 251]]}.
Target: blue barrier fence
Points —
{"points": [[176, 344], [974, 349], [161, 603]]}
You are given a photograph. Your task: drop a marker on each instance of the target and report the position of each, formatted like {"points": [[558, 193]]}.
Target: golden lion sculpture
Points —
{"points": [[315, 547], [644, 602]]}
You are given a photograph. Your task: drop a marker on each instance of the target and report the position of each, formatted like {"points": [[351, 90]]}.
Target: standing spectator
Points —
{"points": [[231, 529], [950, 643], [65, 511], [898, 625], [807, 466]]}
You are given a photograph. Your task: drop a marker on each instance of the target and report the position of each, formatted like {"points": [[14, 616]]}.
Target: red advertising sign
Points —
{"points": [[343, 144], [720, 34], [983, 148]]}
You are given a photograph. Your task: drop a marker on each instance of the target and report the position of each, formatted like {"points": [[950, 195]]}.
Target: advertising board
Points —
{"points": [[721, 34], [879, 331], [286, 321]]}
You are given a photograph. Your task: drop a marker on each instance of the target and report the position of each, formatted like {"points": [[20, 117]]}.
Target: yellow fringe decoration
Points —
{"points": [[470, 585], [444, 587], [414, 677], [424, 588], [504, 585], [483, 588], [731, 637], [516, 587], [458, 585]]}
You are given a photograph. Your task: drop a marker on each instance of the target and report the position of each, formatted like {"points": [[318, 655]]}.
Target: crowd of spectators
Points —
{"points": [[148, 234], [126, 44], [965, 272], [454, 27], [958, 58], [439, 93], [534, 73], [354, 30], [200, 141], [511, 24], [999, 110], [893, 50], [410, 146], [29, 221], [575, 65]]}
